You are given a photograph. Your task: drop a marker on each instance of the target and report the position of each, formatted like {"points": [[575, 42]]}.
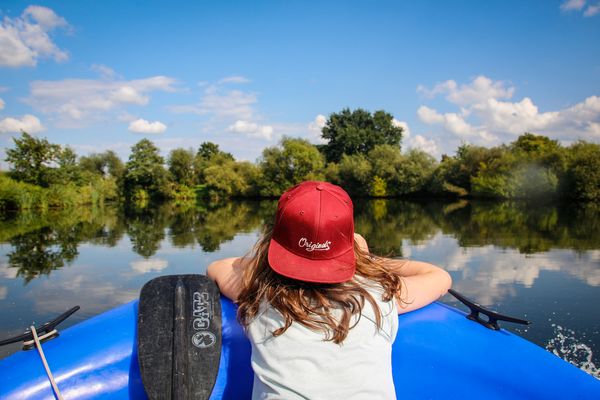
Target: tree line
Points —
{"points": [[362, 153]]}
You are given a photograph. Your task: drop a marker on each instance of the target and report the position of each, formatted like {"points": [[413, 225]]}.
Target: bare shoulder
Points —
{"points": [[362, 243]]}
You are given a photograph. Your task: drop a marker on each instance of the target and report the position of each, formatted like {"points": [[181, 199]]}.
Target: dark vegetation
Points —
{"points": [[362, 154]]}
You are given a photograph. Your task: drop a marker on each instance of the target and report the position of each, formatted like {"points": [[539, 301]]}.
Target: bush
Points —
{"points": [[20, 195], [583, 174], [293, 161]]}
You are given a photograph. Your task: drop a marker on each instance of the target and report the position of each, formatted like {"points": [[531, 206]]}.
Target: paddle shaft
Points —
{"points": [[178, 386]]}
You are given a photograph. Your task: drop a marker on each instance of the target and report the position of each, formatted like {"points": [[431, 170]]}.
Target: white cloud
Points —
{"points": [[45, 17], [25, 39], [234, 79], [417, 141], [315, 128], [320, 121], [403, 125], [231, 110], [514, 117], [578, 5], [480, 89], [429, 115], [592, 10], [143, 126], [128, 94], [126, 117], [252, 129], [222, 104], [149, 265], [453, 123], [28, 123], [236, 111], [422, 143], [104, 71], [484, 117], [569, 5], [2, 104], [77, 102]]}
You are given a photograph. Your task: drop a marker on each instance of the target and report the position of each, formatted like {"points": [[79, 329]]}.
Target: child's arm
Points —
{"points": [[227, 273], [422, 283]]}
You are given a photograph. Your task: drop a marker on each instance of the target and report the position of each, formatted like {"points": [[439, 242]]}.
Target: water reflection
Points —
{"points": [[537, 261], [385, 223], [43, 243]]}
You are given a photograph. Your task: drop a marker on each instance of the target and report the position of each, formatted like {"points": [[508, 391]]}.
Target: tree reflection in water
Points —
{"points": [[41, 243]]}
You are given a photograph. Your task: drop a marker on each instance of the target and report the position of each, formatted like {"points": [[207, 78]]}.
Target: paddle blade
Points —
{"points": [[179, 336]]}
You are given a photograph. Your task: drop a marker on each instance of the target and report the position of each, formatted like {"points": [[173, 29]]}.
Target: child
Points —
{"points": [[319, 310]]}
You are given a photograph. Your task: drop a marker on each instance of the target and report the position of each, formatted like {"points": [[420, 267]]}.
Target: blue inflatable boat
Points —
{"points": [[438, 354]]}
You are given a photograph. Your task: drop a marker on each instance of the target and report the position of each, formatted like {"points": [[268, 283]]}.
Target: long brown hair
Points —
{"points": [[312, 304]]}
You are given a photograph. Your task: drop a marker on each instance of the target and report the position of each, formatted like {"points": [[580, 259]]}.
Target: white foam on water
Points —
{"points": [[565, 345]]}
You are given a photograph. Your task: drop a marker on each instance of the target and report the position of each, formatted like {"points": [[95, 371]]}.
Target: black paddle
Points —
{"points": [[179, 336]]}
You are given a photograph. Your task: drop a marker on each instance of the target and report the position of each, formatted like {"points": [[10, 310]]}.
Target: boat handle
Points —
{"points": [[493, 316], [43, 330]]}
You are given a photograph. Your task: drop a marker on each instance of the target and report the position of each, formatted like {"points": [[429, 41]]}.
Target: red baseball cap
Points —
{"points": [[313, 236]]}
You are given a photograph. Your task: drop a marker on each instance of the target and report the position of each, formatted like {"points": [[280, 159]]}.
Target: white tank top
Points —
{"points": [[300, 364]]}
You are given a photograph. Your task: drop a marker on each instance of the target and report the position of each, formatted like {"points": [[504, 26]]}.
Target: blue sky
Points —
{"points": [[105, 74]]}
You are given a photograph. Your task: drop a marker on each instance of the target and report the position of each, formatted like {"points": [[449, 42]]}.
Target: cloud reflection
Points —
{"points": [[487, 273], [94, 295], [143, 266]]}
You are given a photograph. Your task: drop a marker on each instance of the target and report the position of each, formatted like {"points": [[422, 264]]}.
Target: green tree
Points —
{"points": [[454, 174], [413, 173], [32, 159], [497, 175], [402, 173], [92, 164], [68, 170], [224, 181], [181, 166], [251, 175], [208, 155], [583, 174], [144, 171], [355, 174], [386, 160], [358, 131], [294, 161], [113, 164], [208, 150], [106, 164], [535, 145]]}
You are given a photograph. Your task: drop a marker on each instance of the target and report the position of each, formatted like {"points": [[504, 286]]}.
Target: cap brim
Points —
{"points": [[334, 270]]}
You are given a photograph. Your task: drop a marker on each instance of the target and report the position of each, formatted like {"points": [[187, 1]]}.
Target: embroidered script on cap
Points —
{"points": [[309, 246], [313, 234]]}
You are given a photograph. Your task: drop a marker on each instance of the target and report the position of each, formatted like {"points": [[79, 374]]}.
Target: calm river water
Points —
{"points": [[538, 262]]}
